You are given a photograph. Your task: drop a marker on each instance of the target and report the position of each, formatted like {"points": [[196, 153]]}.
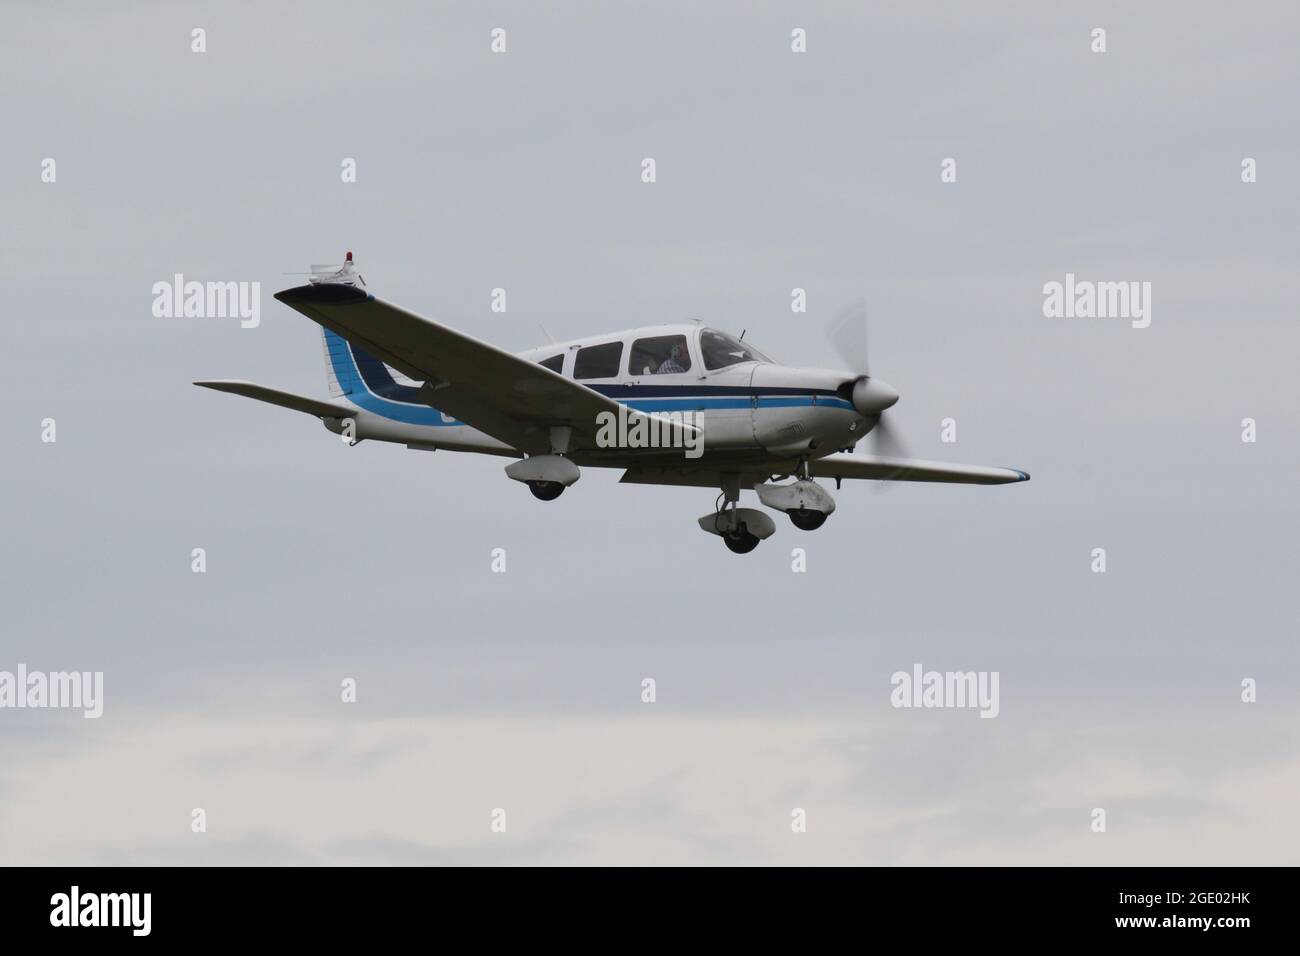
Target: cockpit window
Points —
{"points": [[660, 355], [598, 361], [555, 363], [720, 350]]}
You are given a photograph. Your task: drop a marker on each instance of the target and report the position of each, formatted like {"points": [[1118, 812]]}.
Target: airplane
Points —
{"points": [[683, 404]]}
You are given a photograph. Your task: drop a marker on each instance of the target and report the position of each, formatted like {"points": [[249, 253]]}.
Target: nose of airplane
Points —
{"points": [[871, 396]]}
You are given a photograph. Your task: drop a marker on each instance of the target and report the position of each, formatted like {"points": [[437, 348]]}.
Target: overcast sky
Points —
{"points": [[522, 690]]}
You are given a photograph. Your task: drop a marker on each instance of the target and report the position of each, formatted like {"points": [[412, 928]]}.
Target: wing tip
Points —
{"points": [[330, 292]]}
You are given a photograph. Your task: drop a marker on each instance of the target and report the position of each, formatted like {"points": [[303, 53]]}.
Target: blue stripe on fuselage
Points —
{"points": [[367, 383]]}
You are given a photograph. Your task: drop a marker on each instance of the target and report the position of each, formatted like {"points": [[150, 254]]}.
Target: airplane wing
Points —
{"points": [[910, 469], [284, 399], [510, 398]]}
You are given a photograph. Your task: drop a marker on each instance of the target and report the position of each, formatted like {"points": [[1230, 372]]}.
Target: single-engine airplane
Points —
{"points": [[671, 405]]}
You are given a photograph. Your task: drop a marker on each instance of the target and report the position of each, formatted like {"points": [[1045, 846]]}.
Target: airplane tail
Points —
{"points": [[343, 373], [349, 369], [351, 372], [340, 367]]}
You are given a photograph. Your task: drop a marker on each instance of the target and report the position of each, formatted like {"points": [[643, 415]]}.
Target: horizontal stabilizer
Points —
{"points": [[274, 396]]}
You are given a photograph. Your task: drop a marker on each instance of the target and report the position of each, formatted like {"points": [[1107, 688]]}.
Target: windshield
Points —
{"points": [[720, 350]]}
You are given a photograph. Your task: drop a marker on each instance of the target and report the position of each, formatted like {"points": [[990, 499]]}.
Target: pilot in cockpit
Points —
{"points": [[671, 364]]}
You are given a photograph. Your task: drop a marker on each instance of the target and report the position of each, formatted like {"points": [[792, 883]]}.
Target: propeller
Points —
{"points": [[871, 396]]}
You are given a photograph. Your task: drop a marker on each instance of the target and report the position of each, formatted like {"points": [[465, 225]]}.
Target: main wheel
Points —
{"points": [[805, 519], [740, 542], [546, 490]]}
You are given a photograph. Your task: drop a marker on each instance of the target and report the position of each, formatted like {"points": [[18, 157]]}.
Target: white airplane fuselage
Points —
{"points": [[753, 411], [669, 404]]}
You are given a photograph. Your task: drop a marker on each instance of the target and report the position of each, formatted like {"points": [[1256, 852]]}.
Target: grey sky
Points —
{"points": [[521, 690]]}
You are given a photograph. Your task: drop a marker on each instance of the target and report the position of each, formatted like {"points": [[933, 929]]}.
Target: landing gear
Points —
{"points": [[741, 541], [741, 529], [547, 475], [807, 503], [805, 519], [546, 490]]}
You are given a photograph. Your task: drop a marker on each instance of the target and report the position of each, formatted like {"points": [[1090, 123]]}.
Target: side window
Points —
{"points": [[660, 355], [555, 363], [598, 361], [720, 350]]}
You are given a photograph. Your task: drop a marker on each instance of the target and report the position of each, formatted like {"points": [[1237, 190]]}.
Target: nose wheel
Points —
{"points": [[740, 542], [741, 529], [546, 490]]}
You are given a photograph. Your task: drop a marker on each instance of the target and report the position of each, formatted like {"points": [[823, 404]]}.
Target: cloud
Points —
{"points": [[651, 789]]}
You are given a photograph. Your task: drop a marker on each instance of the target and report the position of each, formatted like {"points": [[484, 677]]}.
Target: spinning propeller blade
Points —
{"points": [[871, 397], [848, 333]]}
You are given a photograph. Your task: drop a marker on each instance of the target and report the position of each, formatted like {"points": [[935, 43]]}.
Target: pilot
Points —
{"points": [[671, 363]]}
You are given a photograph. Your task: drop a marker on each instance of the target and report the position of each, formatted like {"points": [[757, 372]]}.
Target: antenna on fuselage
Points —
{"points": [[549, 337]]}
